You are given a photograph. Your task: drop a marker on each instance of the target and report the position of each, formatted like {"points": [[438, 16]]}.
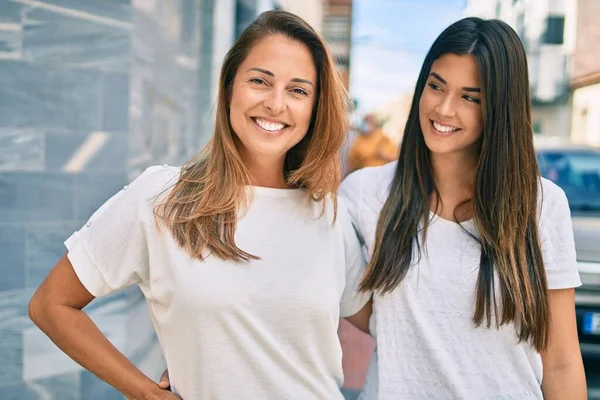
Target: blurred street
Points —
{"points": [[592, 371], [93, 92]]}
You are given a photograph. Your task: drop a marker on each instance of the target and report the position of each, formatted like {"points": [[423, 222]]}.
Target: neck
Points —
{"points": [[453, 172], [454, 176], [267, 172]]}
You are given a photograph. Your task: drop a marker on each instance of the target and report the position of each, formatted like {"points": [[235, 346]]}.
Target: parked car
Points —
{"points": [[576, 169]]}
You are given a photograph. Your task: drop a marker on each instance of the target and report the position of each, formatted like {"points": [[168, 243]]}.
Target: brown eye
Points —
{"points": [[300, 91], [433, 86], [472, 99]]}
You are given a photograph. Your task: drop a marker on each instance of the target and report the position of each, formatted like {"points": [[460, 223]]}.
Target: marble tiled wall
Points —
{"points": [[91, 93], [166, 107]]}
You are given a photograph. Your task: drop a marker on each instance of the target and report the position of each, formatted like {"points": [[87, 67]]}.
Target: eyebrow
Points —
{"points": [[271, 74], [466, 89]]}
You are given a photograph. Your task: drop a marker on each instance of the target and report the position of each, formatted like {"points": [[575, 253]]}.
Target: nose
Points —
{"points": [[275, 101], [446, 107]]}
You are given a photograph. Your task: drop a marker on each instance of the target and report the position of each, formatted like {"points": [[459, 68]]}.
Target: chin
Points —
{"points": [[436, 147], [441, 149], [269, 152]]}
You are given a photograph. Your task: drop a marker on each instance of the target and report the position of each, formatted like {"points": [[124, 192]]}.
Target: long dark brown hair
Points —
{"points": [[505, 196], [203, 207]]}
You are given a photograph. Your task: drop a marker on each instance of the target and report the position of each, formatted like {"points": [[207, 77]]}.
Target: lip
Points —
{"points": [[273, 121], [440, 133], [270, 133]]}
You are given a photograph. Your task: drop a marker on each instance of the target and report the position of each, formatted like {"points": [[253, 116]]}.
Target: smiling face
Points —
{"points": [[272, 99], [450, 110]]}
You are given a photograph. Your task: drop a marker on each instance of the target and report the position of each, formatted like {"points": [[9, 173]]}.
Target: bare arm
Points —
{"points": [[361, 318], [56, 308], [564, 375]]}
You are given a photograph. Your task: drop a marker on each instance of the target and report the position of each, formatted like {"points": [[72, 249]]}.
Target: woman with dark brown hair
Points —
{"points": [[472, 254], [244, 255]]}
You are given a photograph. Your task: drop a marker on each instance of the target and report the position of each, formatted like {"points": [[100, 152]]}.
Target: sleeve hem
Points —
{"points": [[351, 307], [84, 268], [564, 282]]}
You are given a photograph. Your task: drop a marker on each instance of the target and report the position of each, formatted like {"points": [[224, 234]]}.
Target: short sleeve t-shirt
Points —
{"points": [[264, 329], [427, 345]]}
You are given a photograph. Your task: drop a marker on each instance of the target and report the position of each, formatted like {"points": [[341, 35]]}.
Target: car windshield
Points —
{"points": [[577, 172]]}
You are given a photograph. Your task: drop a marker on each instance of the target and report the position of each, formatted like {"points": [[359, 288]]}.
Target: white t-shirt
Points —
{"points": [[427, 345], [266, 329]]}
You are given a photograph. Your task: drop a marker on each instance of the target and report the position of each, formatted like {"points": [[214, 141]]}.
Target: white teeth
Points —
{"points": [[444, 128], [269, 126]]}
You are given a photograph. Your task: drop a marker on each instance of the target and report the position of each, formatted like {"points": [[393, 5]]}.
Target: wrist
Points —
{"points": [[147, 390]]}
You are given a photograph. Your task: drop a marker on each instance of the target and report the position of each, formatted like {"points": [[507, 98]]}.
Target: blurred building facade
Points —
{"points": [[541, 27], [91, 93], [584, 69], [337, 30], [394, 114], [312, 11], [357, 346]]}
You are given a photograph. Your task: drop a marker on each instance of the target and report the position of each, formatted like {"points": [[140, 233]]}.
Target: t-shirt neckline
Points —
{"points": [[275, 192]]}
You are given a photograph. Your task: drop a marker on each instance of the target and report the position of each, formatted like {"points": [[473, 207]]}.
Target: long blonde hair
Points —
{"points": [[202, 209]]}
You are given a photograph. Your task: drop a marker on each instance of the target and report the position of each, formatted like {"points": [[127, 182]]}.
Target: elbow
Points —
{"points": [[33, 309], [36, 309]]}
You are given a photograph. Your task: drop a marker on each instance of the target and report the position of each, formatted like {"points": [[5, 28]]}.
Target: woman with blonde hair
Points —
{"points": [[244, 254]]}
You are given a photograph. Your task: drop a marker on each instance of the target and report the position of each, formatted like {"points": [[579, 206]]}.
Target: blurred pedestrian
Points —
{"points": [[371, 147], [243, 269], [472, 254]]}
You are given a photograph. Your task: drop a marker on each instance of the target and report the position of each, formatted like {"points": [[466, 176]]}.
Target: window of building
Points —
{"points": [[337, 27], [342, 60], [189, 27], [555, 29], [245, 13]]}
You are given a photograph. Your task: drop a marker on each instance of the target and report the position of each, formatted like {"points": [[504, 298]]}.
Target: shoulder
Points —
{"points": [[334, 213], [155, 181], [551, 191], [368, 186], [554, 213], [556, 237], [552, 199], [157, 176], [369, 178], [343, 213], [363, 194]]}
